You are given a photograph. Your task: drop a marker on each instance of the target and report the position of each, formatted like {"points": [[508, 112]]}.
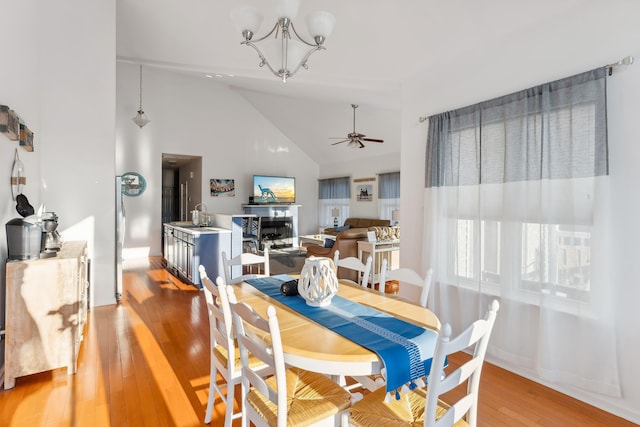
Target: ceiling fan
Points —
{"points": [[354, 138]]}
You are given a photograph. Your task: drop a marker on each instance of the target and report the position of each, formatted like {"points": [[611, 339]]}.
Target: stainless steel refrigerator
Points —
{"points": [[120, 228]]}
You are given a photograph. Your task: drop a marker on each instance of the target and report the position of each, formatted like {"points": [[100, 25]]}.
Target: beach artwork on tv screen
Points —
{"points": [[274, 189]]}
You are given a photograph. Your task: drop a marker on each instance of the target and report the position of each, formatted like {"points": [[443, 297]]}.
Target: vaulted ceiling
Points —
{"points": [[376, 45]]}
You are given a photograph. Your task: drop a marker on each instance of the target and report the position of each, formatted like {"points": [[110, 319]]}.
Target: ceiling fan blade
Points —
{"points": [[373, 140], [340, 142], [361, 144]]}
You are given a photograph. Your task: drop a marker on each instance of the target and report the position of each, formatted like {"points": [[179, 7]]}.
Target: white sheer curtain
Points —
{"points": [[516, 190], [388, 194], [333, 193]]}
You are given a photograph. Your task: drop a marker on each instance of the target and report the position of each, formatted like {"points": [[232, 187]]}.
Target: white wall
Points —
{"points": [[590, 35], [57, 72], [369, 168], [76, 81], [200, 117], [59, 76], [18, 90]]}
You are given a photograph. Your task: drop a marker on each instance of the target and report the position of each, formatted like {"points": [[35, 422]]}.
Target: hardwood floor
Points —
{"points": [[146, 362]]}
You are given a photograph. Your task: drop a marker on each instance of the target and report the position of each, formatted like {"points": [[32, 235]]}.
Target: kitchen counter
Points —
{"points": [[188, 227]]}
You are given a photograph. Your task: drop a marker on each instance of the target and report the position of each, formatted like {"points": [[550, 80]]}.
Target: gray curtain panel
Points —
{"points": [[334, 188], [553, 131], [389, 185]]}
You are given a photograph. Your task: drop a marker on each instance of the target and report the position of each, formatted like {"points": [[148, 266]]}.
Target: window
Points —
{"points": [[516, 193], [333, 193], [519, 172], [389, 194]]}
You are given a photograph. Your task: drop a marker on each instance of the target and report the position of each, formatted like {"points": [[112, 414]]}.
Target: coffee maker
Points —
{"points": [[52, 240], [25, 239]]}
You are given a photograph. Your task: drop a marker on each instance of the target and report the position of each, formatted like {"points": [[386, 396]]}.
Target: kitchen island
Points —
{"points": [[186, 246]]}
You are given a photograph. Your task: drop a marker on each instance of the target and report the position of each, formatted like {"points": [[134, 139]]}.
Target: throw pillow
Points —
{"points": [[344, 227], [328, 243]]}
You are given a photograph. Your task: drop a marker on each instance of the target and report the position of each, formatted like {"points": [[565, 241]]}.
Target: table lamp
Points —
{"points": [[335, 212], [395, 216]]}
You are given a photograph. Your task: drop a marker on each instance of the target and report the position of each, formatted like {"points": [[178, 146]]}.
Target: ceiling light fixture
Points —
{"points": [[141, 118], [287, 48]]}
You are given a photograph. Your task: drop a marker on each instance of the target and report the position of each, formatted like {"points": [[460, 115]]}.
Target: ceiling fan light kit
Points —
{"points": [[287, 50], [355, 139]]}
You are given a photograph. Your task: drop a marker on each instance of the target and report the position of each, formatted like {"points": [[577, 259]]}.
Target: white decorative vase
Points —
{"points": [[318, 282]]}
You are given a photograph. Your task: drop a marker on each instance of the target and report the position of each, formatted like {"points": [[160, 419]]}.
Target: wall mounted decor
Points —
{"points": [[26, 137], [222, 187], [133, 184], [17, 176], [364, 193], [9, 123]]}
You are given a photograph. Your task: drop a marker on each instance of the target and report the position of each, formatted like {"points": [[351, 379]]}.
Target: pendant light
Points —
{"points": [[141, 118]]}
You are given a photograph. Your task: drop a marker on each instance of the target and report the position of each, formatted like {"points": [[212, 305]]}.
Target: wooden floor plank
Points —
{"points": [[145, 362]]}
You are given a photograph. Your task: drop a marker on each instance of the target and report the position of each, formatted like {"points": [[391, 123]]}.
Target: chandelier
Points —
{"points": [[141, 118], [287, 50]]}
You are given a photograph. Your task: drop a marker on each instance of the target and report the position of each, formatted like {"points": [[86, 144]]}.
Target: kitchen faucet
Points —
{"points": [[203, 218]]}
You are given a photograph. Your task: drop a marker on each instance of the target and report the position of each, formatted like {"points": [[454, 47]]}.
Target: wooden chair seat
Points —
{"points": [[311, 397], [408, 411]]}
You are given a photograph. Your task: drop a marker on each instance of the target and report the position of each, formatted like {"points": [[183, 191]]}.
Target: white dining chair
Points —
{"points": [[245, 260], [425, 406], [224, 354], [290, 397], [353, 263], [407, 275]]}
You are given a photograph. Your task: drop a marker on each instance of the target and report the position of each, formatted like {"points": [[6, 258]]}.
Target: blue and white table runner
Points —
{"points": [[405, 349]]}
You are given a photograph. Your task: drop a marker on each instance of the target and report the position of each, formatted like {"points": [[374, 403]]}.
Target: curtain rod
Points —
{"points": [[627, 60]]}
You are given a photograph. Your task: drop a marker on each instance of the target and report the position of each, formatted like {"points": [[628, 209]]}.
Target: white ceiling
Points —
{"points": [[376, 44]]}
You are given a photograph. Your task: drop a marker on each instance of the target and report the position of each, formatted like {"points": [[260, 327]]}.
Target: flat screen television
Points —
{"points": [[274, 189]]}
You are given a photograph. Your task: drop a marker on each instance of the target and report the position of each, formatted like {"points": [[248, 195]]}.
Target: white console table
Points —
{"points": [[377, 250]]}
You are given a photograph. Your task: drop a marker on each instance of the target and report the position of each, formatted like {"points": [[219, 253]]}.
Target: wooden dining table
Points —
{"points": [[313, 347]]}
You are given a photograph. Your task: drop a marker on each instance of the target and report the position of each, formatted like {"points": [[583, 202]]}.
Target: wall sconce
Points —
{"points": [[17, 176], [335, 213]]}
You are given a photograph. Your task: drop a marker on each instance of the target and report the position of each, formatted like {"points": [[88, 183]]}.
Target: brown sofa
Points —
{"points": [[346, 243], [359, 223]]}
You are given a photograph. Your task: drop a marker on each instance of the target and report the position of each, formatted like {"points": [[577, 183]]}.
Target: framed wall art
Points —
{"points": [[222, 187], [364, 192]]}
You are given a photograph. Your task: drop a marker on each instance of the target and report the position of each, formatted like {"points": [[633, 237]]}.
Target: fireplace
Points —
{"points": [[276, 232], [278, 224]]}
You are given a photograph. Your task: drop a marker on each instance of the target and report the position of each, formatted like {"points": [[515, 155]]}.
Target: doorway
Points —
{"points": [[181, 186]]}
